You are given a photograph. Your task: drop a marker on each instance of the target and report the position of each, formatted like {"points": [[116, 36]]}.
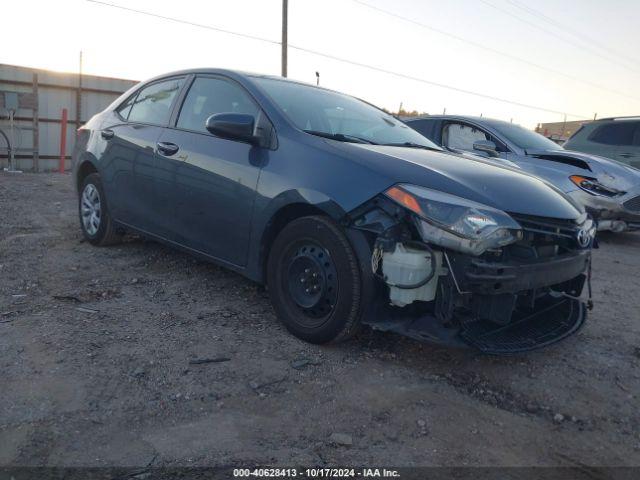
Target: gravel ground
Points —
{"points": [[106, 359]]}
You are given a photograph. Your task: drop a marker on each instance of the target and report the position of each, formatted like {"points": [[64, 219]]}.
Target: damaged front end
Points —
{"points": [[452, 271]]}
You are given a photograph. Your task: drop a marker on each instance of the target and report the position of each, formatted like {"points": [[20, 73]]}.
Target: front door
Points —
{"points": [[460, 137], [215, 178]]}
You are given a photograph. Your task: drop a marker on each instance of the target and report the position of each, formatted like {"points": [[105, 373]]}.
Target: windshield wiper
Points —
{"points": [[412, 145], [341, 137]]}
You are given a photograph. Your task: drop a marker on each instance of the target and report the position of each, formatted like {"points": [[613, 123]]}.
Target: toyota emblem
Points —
{"points": [[583, 238]]}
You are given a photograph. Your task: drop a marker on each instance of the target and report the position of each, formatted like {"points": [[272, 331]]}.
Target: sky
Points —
{"points": [[578, 57]]}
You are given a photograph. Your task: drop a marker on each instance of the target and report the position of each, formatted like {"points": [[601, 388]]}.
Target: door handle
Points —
{"points": [[107, 134], [627, 155], [167, 148]]}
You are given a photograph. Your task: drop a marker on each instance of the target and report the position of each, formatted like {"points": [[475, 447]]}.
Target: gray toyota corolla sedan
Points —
{"points": [[609, 190], [346, 214]]}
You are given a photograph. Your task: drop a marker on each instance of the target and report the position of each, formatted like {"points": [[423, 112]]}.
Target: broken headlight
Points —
{"points": [[454, 222], [594, 187]]}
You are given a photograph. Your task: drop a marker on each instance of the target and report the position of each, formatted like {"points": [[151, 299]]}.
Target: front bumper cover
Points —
{"points": [[508, 309], [475, 275], [605, 210], [552, 322]]}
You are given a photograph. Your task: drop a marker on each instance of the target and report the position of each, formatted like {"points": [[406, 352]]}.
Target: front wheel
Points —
{"points": [[314, 281], [95, 220]]}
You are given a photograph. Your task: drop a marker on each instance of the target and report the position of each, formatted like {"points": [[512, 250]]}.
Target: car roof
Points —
{"points": [[616, 119], [230, 72]]}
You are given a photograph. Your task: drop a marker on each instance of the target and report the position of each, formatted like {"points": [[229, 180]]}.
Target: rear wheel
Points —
{"points": [[95, 220], [314, 281]]}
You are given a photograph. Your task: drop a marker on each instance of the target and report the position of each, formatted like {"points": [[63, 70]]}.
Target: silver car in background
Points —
{"points": [[609, 190]]}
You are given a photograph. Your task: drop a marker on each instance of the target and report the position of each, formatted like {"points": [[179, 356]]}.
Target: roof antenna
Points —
{"points": [[317, 78]]}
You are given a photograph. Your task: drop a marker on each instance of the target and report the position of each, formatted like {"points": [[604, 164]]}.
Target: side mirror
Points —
{"points": [[233, 126], [486, 146]]}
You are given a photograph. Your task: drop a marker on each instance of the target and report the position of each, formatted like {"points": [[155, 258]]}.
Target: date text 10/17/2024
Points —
{"points": [[316, 473]]}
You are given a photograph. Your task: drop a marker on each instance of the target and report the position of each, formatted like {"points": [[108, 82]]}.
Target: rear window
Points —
{"points": [[577, 132], [153, 103], [617, 133], [125, 108]]}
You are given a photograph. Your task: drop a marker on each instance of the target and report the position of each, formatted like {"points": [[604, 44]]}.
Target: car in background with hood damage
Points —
{"points": [[348, 215], [609, 190]]}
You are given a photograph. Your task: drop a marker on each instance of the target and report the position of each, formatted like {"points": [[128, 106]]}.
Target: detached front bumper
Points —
{"points": [[500, 308], [617, 214], [554, 320], [515, 298]]}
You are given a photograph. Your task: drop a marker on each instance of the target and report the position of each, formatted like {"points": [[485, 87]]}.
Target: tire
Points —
{"points": [[92, 206], [323, 308]]}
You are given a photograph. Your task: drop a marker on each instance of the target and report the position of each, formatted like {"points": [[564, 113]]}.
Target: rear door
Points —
{"points": [[616, 140], [631, 153], [215, 178], [152, 175], [129, 163], [120, 145]]}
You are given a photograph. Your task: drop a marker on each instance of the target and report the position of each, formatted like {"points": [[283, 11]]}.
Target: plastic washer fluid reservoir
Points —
{"points": [[408, 266]]}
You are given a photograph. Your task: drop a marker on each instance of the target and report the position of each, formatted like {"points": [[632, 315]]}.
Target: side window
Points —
{"points": [[617, 133], [208, 96], [461, 137], [125, 108], [153, 103]]}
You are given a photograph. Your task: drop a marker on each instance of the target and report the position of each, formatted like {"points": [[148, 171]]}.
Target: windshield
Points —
{"points": [[338, 116], [524, 138]]}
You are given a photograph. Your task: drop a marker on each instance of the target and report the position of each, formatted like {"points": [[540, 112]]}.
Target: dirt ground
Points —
{"points": [[100, 351]]}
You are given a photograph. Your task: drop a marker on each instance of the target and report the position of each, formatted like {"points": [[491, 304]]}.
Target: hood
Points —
{"points": [[505, 188], [608, 172], [500, 162]]}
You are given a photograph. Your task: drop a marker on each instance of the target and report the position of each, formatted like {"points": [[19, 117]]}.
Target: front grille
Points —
{"points": [[633, 204], [545, 237]]}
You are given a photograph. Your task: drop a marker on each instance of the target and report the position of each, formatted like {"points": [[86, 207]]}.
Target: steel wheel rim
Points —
{"points": [[91, 209], [311, 280]]}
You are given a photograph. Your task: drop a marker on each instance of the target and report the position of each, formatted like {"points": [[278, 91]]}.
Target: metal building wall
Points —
{"points": [[55, 91]]}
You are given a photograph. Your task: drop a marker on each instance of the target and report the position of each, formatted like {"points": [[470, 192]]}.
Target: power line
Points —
{"points": [[495, 51], [186, 22], [571, 31], [435, 84], [340, 59], [554, 34]]}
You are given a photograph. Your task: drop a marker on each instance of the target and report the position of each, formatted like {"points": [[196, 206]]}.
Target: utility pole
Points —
{"points": [[79, 93], [285, 15]]}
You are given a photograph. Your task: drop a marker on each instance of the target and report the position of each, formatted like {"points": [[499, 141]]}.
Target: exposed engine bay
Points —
{"points": [[512, 290]]}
